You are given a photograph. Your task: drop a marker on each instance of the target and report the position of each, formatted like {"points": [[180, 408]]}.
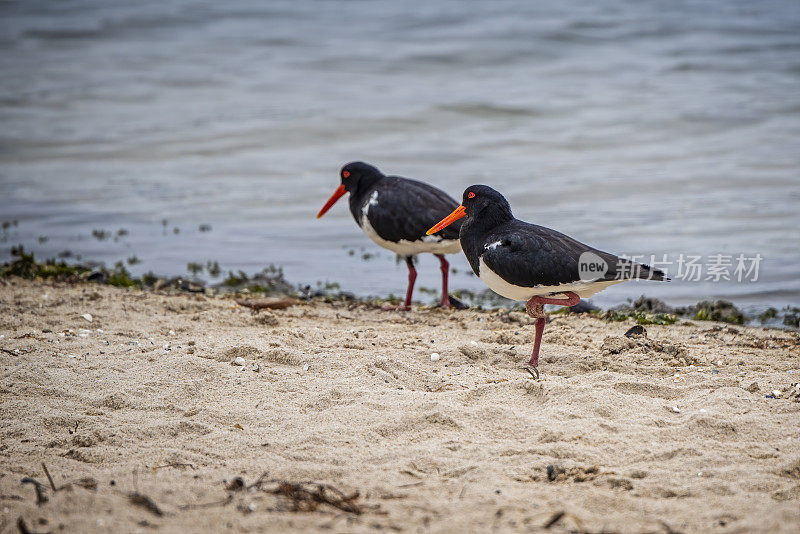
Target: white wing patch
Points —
{"points": [[373, 201], [492, 246]]}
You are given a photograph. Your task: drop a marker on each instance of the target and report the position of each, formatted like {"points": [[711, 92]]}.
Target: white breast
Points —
{"points": [[513, 292], [429, 243]]}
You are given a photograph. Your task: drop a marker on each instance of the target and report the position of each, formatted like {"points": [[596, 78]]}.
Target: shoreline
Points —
{"points": [[146, 404], [271, 280]]}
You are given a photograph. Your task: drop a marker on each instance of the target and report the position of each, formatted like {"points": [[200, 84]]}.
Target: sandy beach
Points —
{"points": [[146, 423]]}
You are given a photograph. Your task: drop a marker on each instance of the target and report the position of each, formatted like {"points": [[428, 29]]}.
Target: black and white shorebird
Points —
{"points": [[395, 213], [531, 263]]}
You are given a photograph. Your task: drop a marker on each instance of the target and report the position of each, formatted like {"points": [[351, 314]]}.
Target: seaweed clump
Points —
{"points": [[269, 280], [791, 317], [25, 265], [720, 310], [644, 311]]}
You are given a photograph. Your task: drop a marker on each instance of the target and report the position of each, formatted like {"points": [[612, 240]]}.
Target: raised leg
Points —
{"points": [[445, 267], [535, 308]]}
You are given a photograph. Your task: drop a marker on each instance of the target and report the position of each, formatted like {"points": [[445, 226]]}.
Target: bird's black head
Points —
{"points": [[359, 175], [483, 206], [357, 178], [483, 201]]}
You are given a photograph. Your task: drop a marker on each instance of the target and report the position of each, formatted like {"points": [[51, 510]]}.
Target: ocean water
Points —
{"points": [[638, 127]]}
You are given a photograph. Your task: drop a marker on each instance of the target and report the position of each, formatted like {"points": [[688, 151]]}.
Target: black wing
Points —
{"points": [[529, 255], [406, 209]]}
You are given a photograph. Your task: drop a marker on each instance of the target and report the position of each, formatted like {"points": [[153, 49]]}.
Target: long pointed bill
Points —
{"points": [[458, 213], [331, 201]]}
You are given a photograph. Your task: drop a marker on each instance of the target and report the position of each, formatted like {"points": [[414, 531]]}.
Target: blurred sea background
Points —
{"points": [[662, 127]]}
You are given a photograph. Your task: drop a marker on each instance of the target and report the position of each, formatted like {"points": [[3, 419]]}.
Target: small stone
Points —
{"points": [[475, 343], [753, 388], [636, 331], [676, 409], [777, 393], [239, 361], [435, 357], [172, 332], [720, 362], [87, 316], [306, 367]]}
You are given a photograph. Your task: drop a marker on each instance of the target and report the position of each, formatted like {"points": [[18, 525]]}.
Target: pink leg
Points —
{"points": [[537, 341], [535, 308], [412, 277], [445, 269]]}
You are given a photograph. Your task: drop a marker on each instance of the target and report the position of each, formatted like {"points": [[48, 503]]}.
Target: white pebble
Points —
{"points": [[239, 361], [87, 316], [306, 367], [719, 362], [703, 410], [474, 343], [172, 332], [435, 357], [776, 393], [676, 409]]}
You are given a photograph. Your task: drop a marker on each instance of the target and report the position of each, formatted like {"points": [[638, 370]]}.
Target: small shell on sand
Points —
{"points": [[239, 361], [87, 316], [435, 357]]}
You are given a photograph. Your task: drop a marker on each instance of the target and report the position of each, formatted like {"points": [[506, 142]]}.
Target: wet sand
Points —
{"points": [[672, 431]]}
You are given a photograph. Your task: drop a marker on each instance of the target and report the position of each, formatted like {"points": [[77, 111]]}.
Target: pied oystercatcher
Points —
{"points": [[527, 262], [395, 213]]}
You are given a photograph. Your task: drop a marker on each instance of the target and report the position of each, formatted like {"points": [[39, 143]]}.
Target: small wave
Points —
{"points": [[486, 110], [64, 34]]}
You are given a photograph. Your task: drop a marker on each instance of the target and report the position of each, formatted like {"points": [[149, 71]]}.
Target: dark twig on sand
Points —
{"points": [[223, 502], [49, 478], [268, 303], [23, 527], [145, 502], [307, 496], [561, 514], [41, 498], [156, 468], [556, 517]]}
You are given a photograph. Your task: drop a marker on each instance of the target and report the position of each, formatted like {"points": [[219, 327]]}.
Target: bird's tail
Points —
{"points": [[649, 273]]}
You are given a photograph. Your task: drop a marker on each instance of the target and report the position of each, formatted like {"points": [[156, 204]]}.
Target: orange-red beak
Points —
{"points": [[458, 213], [331, 201]]}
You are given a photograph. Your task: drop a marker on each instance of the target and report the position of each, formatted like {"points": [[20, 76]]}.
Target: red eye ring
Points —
{"points": [[470, 195], [346, 174]]}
